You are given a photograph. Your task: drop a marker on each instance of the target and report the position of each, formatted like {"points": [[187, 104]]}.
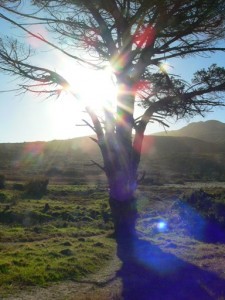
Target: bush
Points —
{"points": [[2, 181], [3, 197], [18, 187], [200, 200], [37, 187], [54, 172], [203, 215]]}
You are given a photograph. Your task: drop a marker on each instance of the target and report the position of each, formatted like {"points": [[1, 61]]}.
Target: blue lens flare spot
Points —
{"points": [[162, 226]]}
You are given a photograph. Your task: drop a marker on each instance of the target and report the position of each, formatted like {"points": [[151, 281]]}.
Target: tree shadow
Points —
{"points": [[202, 215], [207, 229], [148, 273], [212, 232]]}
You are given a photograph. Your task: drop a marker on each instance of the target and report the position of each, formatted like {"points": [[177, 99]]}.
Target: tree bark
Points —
{"points": [[124, 215], [121, 159], [120, 165]]}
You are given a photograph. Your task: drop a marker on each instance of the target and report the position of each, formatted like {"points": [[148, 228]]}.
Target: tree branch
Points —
{"points": [[40, 38]]}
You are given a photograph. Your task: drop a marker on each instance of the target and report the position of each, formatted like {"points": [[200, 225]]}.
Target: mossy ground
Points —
{"points": [[60, 236], [66, 234]]}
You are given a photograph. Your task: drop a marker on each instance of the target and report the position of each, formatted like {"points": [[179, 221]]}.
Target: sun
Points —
{"points": [[91, 88], [88, 88], [164, 67]]}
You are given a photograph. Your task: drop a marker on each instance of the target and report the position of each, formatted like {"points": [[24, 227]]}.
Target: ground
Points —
{"points": [[181, 265], [103, 285]]}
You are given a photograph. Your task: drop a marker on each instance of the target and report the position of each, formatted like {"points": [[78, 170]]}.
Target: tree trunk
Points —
{"points": [[124, 217], [121, 157]]}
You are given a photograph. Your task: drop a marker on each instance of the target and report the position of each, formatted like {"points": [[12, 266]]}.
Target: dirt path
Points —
{"points": [[103, 285]]}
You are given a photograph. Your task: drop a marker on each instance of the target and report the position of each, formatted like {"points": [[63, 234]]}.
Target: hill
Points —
{"points": [[164, 158], [58, 158], [210, 131], [170, 159]]}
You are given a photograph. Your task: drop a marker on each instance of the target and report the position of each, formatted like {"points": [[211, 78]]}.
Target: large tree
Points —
{"points": [[134, 37]]}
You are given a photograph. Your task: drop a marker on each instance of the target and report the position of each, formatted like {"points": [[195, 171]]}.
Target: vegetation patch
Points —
{"points": [[2, 181], [68, 235], [37, 187], [202, 214], [61, 236]]}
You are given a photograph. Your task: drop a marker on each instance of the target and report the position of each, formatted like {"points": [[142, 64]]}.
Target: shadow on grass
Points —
{"points": [[148, 273], [212, 232], [203, 227]]}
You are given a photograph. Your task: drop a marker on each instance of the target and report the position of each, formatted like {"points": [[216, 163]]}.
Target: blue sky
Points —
{"points": [[29, 118]]}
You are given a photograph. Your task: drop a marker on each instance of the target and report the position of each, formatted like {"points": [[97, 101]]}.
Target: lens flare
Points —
{"points": [[164, 67], [31, 155], [40, 31], [152, 258], [162, 226], [145, 36], [119, 62], [148, 145]]}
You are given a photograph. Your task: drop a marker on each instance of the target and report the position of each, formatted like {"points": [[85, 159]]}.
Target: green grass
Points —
{"points": [[54, 259], [65, 234], [65, 240]]}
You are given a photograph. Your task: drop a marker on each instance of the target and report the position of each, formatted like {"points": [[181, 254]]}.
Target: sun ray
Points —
{"points": [[92, 88], [88, 88]]}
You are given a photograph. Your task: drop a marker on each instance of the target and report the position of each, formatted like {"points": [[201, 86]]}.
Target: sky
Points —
{"points": [[26, 117]]}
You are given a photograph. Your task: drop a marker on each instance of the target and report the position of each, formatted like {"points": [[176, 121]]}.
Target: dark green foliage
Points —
{"points": [[18, 187], [105, 213], [26, 218], [53, 171], [210, 206], [3, 197], [4, 268], [66, 252], [200, 200], [46, 207], [2, 181], [203, 215], [37, 187]]}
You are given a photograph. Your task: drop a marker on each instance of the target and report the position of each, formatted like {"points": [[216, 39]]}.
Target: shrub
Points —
{"points": [[3, 197], [203, 215], [18, 187], [53, 171], [201, 201], [37, 187], [2, 181]]}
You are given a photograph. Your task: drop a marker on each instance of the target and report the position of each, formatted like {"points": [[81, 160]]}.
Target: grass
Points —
{"points": [[175, 237], [61, 236], [65, 234], [40, 262]]}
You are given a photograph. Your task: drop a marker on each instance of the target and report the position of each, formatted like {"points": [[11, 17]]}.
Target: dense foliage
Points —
{"points": [[203, 215], [2, 181], [37, 187]]}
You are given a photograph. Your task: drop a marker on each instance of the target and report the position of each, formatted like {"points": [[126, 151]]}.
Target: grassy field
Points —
{"points": [[63, 235], [67, 233]]}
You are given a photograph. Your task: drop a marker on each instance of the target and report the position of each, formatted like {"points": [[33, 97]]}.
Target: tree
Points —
{"points": [[135, 37]]}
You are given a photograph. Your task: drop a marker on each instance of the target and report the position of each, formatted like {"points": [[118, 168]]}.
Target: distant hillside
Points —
{"points": [[67, 158], [165, 158], [173, 158], [210, 131]]}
